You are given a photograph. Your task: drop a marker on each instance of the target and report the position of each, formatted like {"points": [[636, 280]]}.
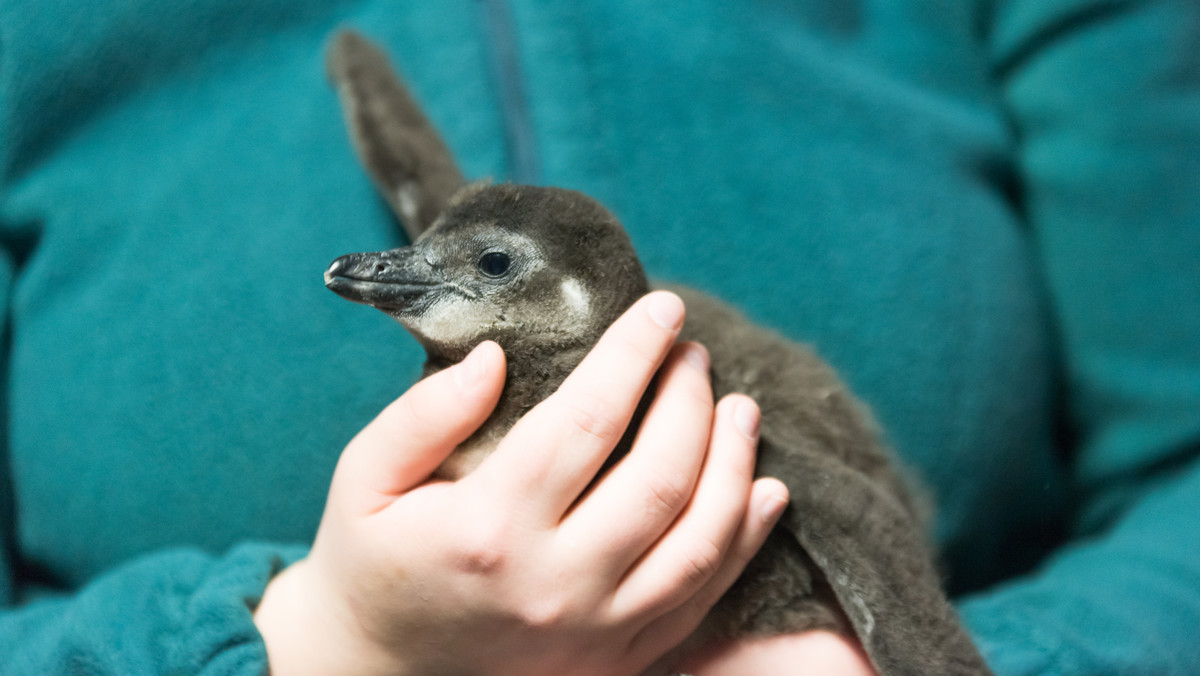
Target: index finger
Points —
{"points": [[415, 433], [553, 453]]}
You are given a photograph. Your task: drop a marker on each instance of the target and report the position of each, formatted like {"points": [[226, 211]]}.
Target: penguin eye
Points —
{"points": [[494, 264]]}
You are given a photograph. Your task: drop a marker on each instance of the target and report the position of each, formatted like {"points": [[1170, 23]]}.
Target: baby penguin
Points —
{"points": [[543, 272]]}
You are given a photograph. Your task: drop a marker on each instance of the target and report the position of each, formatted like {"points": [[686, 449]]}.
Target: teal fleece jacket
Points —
{"points": [[985, 214]]}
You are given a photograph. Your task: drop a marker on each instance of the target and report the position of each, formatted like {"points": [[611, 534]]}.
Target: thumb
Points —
{"points": [[414, 434]]}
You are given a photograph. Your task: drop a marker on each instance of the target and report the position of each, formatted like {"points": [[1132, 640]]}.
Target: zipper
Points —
{"points": [[524, 162]]}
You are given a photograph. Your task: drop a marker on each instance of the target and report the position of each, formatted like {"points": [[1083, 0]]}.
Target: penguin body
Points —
{"points": [[543, 272]]}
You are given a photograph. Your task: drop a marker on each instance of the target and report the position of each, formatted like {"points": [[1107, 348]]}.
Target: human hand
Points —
{"points": [[811, 652], [507, 570]]}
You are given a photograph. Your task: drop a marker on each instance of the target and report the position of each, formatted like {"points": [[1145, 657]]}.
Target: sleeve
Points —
{"points": [[176, 612], [1104, 96]]}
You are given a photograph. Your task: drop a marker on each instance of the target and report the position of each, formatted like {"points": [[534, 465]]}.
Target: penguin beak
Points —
{"points": [[393, 281]]}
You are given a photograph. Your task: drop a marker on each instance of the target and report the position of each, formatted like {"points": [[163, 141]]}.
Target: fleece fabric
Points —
{"points": [[984, 213]]}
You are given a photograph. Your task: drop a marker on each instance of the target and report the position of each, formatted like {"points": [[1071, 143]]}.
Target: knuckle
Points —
{"points": [[593, 416], [545, 612], [667, 492], [702, 560], [483, 552]]}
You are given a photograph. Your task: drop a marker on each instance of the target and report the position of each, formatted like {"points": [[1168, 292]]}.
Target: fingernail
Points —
{"points": [[773, 508], [471, 370], [697, 356], [666, 310], [746, 418]]}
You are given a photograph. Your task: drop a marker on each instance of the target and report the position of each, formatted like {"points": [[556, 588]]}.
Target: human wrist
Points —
{"points": [[308, 632]]}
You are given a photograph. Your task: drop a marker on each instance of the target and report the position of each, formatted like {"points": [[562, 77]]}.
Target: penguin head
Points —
{"points": [[535, 269]]}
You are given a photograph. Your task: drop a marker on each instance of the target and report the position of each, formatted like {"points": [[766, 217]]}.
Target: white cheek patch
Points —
{"points": [[452, 320], [406, 201], [575, 296]]}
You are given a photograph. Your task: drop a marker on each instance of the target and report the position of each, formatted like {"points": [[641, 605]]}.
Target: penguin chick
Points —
{"points": [[543, 272]]}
